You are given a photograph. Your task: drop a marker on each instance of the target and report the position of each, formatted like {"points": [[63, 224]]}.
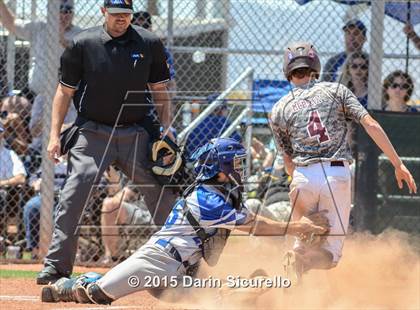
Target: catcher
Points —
{"points": [[198, 227], [311, 127]]}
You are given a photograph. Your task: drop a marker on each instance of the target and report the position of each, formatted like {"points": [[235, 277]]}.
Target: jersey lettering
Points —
{"points": [[174, 215]]}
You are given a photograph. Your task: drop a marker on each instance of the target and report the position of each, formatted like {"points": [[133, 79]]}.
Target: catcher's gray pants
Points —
{"points": [[151, 267], [95, 149]]}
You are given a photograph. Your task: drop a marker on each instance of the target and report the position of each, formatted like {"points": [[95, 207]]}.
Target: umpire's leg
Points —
{"points": [[87, 161], [134, 160]]}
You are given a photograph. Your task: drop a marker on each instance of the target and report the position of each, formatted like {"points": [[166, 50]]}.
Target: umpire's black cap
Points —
{"points": [[119, 6]]}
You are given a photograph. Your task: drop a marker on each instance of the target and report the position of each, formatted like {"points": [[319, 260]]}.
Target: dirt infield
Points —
{"points": [[24, 294], [376, 272]]}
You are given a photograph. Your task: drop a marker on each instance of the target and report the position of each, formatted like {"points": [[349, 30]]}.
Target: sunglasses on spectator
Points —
{"points": [[361, 66], [66, 9], [400, 86], [4, 114]]}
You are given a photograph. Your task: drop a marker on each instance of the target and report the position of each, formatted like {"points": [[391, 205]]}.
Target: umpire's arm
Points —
{"points": [[157, 84], [162, 103], [60, 107], [70, 76]]}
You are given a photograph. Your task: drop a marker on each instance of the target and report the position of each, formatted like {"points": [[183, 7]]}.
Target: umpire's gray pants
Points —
{"points": [[96, 148]]}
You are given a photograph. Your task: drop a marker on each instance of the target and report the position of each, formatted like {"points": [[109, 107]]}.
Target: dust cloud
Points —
{"points": [[375, 272]]}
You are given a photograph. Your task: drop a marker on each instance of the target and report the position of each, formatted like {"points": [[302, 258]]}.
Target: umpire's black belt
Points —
{"points": [[80, 120], [172, 251]]}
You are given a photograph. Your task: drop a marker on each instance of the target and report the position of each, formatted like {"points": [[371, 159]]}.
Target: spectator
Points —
{"points": [[412, 35], [260, 155], [397, 90], [36, 34], [270, 196], [355, 75], [12, 174], [122, 207], [31, 210], [211, 127], [354, 39], [15, 115]]}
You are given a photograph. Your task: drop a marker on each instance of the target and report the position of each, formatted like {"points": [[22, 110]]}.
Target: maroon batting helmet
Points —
{"points": [[300, 55]]}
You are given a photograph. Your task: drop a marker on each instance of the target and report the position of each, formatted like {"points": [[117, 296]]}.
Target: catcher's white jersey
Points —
{"points": [[154, 261]]}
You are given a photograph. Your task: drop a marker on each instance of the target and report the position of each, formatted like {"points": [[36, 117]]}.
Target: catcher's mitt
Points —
{"points": [[319, 219], [163, 149], [168, 164]]}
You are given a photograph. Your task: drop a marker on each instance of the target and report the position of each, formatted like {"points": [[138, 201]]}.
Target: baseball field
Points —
{"points": [[376, 272]]}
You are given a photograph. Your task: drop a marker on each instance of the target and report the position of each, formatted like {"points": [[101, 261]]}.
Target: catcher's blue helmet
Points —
{"points": [[220, 155]]}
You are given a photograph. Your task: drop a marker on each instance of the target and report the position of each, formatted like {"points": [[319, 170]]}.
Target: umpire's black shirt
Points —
{"points": [[103, 69]]}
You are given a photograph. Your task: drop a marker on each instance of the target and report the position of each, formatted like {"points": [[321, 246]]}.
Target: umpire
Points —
{"points": [[103, 69]]}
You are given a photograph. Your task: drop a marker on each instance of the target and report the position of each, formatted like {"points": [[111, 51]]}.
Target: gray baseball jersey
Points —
{"points": [[311, 122]]}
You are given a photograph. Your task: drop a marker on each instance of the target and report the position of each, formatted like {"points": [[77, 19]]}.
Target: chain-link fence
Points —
{"points": [[212, 44]]}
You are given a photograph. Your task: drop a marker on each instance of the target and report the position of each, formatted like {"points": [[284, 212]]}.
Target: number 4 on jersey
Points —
{"points": [[316, 128]]}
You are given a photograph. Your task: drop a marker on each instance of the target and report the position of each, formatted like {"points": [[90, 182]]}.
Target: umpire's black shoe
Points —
{"points": [[48, 275]]}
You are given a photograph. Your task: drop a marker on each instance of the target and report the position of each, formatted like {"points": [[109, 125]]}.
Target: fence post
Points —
{"points": [[170, 27], [47, 187], [11, 54], [248, 133], [225, 9], [376, 53]]}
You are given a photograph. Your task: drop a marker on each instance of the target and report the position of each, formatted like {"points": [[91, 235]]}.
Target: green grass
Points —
{"points": [[22, 274], [17, 274]]}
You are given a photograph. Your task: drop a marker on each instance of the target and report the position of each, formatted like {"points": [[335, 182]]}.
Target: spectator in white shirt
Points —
{"points": [[12, 174], [12, 171]]}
